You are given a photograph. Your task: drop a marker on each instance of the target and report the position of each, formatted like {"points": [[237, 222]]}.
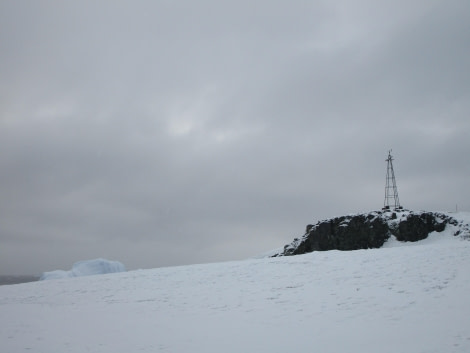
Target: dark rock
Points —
{"points": [[366, 231], [418, 226], [343, 233], [439, 227]]}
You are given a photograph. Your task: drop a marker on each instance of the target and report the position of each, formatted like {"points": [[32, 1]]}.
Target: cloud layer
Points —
{"points": [[159, 133]]}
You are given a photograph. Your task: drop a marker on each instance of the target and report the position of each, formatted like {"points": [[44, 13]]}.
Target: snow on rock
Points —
{"points": [[86, 268], [374, 229]]}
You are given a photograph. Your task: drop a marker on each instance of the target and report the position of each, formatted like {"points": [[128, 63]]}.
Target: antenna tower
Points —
{"points": [[391, 192]]}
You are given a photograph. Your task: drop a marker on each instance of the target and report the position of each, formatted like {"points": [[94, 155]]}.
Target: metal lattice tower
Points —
{"points": [[391, 192]]}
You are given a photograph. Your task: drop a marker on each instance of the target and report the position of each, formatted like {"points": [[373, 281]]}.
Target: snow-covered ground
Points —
{"points": [[395, 299]]}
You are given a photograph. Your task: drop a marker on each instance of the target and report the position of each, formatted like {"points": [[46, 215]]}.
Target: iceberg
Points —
{"points": [[86, 268]]}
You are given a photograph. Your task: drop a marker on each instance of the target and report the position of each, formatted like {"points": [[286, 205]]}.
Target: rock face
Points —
{"points": [[417, 226], [369, 230]]}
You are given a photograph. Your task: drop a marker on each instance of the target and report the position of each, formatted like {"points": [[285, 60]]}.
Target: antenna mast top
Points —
{"points": [[391, 193]]}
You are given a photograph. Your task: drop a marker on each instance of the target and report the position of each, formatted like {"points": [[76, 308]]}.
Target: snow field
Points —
{"points": [[395, 299]]}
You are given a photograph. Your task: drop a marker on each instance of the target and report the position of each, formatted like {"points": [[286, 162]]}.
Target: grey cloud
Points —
{"points": [[163, 133]]}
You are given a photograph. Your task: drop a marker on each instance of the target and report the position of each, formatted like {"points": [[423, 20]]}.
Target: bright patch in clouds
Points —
{"points": [[191, 113]]}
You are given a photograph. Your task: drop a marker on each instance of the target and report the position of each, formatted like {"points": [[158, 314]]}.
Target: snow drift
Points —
{"points": [[86, 268]]}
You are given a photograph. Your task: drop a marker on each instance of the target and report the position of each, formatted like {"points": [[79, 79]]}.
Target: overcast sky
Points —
{"points": [[163, 132]]}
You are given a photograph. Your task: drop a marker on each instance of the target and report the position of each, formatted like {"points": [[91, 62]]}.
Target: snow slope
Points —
{"points": [[86, 268], [395, 299]]}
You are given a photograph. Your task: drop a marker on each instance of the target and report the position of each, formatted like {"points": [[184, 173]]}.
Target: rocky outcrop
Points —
{"points": [[369, 230], [417, 226]]}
